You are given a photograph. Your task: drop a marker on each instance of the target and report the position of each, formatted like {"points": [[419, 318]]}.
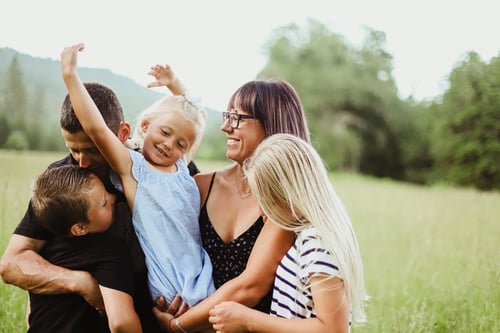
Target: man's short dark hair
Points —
{"points": [[105, 100]]}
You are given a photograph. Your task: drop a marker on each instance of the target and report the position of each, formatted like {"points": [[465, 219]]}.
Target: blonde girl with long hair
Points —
{"points": [[319, 284]]}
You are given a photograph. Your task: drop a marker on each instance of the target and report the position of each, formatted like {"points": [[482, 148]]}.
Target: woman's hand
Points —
{"points": [[163, 319], [165, 313], [176, 308]]}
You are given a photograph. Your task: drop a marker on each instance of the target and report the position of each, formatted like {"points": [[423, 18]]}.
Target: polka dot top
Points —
{"points": [[229, 260]]}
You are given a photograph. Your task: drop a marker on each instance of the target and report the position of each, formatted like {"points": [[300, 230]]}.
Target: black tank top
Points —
{"points": [[229, 260]]}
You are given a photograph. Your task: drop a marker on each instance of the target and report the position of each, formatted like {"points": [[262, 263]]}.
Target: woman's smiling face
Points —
{"points": [[242, 141]]}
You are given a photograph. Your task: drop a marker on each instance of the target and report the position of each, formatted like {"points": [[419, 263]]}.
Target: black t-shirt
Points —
{"points": [[102, 255], [122, 227]]}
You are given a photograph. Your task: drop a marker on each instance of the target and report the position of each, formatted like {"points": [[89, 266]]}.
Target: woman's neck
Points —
{"points": [[241, 182]]}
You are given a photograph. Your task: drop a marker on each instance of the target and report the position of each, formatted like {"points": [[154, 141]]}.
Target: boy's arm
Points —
{"points": [[120, 311], [112, 149], [22, 266]]}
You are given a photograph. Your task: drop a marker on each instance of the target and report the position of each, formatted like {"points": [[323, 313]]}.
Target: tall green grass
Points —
{"points": [[431, 255], [17, 170]]}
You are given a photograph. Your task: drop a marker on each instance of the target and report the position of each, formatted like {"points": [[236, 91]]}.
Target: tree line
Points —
{"points": [[359, 123], [23, 115], [357, 120]]}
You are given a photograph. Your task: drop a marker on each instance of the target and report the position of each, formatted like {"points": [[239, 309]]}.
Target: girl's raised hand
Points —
{"points": [[69, 58], [164, 76]]}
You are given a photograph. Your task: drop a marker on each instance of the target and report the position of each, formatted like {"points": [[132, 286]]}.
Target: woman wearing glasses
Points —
{"points": [[244, 249]]}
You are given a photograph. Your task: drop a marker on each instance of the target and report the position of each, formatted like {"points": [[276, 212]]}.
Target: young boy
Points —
{"points": [[74, 205]]}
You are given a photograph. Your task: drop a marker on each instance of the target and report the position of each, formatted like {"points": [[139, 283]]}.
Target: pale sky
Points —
{"points": [[216, 45]]}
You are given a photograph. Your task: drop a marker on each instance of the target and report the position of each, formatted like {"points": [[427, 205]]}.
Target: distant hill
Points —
{"points": [[46, 74]]}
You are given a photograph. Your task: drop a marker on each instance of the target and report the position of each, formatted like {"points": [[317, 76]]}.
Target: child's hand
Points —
{"points": [[69, 58], [164, 76], [230, 317]]}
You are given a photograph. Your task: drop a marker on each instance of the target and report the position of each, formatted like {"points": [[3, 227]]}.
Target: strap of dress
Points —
{"points": [[209, 188]]}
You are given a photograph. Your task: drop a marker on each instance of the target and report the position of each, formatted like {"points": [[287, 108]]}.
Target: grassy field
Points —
{"points": [[431, 255]]}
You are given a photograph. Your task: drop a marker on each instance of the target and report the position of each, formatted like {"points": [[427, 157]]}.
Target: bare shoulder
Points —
{"points": [[203, 180]]}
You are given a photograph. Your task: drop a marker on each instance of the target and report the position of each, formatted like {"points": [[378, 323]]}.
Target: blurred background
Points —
{"points": [[402, 99], [402, 91]]}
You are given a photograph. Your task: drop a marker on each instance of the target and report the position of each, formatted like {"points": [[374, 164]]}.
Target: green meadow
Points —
{"points": [[431, 254]]}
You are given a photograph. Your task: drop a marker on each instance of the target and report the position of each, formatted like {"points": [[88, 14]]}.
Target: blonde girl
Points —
{"points": [[319, 284], [163, 197]]}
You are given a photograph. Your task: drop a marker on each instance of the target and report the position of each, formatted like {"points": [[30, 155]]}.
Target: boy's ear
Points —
{"points": [[79, 229]]}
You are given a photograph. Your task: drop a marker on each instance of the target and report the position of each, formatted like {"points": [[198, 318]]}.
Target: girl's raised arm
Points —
{"points": [[111, 148]]}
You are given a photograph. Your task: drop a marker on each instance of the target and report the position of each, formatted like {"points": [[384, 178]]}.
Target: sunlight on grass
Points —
{"points": [[430, 255]]}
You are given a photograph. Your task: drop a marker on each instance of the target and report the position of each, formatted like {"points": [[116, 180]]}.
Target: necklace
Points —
{"points": [[243, 195]]}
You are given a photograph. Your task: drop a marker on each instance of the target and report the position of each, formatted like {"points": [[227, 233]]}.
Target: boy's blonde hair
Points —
{"points": [[291, 183], [195, 114]]}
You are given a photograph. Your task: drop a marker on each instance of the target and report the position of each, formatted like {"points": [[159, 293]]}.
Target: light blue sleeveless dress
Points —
{"points": [[165, 218]]}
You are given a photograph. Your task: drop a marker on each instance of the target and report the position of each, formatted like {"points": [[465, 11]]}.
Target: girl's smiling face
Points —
{"points": [[167, 138]]}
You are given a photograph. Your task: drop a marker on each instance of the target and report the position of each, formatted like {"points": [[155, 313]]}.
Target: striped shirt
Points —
{"points": [[307, 256]]}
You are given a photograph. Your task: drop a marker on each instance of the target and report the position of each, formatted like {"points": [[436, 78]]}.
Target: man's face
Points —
{"points": [[85, 153]]}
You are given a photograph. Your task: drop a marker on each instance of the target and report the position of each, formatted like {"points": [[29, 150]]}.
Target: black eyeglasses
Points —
{"points": [[234, 118]]}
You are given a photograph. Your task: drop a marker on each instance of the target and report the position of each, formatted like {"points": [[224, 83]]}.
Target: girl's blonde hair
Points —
{"points": [[291, 183], [195, 114]]}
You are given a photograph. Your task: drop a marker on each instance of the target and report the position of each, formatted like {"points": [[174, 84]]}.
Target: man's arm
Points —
{"points": [[22, 266]]}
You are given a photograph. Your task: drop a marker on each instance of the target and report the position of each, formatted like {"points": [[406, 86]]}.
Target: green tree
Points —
{"points": [[413, 128], [467, 132], [36, 125], [16, 97], [213, 145], [17, 141], [348, 94], [53, 140], [5, 128], [4, 124]]}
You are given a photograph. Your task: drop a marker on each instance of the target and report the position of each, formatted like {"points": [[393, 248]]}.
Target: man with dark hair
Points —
{"points": [[21, 264]]}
